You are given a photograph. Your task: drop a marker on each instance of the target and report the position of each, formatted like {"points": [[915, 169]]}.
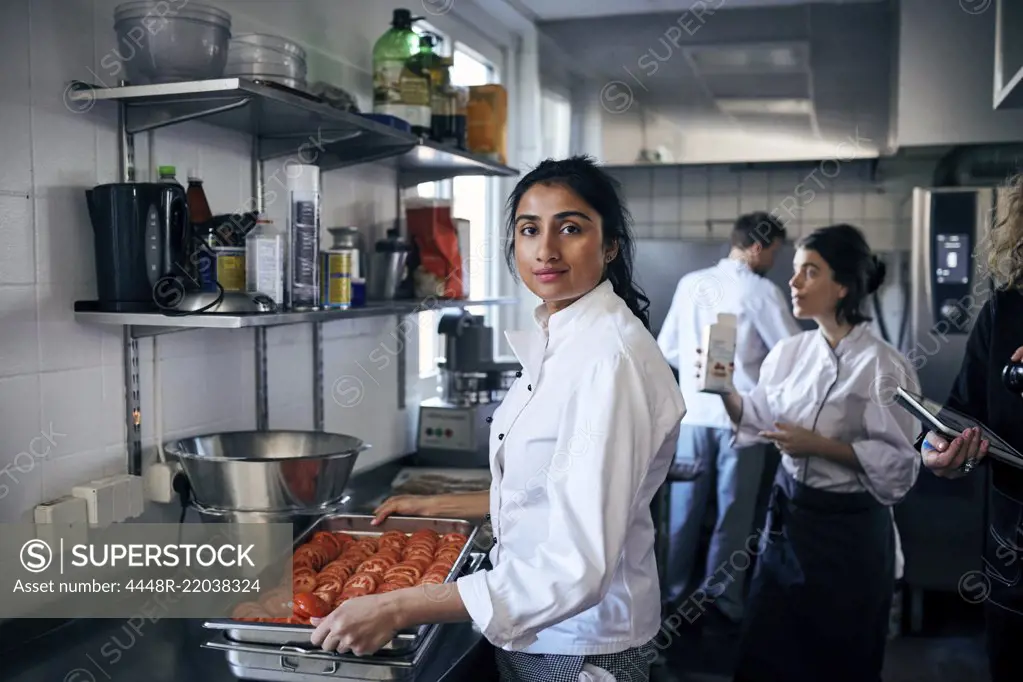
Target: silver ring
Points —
{"points": [[968, 465]]}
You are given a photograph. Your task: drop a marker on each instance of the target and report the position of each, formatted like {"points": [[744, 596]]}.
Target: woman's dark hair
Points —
{"points": [[854, 266], [583, 176]]}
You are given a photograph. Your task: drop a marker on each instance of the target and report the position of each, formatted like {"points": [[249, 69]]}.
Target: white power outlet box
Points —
{"points": [[128, 497], [66, 518], [63, 510], [160, 482], [99, 496]]}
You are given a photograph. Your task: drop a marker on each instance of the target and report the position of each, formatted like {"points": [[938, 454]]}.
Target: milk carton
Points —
{"points": [[718, 355]]}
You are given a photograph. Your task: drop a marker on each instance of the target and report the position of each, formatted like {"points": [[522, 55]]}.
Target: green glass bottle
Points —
{"points": [[397, 90], [430, 63]]}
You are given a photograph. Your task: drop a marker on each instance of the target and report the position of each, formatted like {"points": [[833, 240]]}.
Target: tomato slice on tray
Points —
{"points": [[365, 581], [308, 605]]}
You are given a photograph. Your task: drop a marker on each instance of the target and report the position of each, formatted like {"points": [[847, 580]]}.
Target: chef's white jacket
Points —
{"points": [[763, 318], [845, 393], [578, 449]]}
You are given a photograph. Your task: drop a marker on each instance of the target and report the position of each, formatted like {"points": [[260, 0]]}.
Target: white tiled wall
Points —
{"points": [[695, 202], [61, 383]]}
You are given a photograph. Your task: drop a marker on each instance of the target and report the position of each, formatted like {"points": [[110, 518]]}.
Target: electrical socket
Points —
{"points": [[160, 482]]}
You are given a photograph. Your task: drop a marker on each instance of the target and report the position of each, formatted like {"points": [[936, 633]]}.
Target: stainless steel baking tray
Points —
{"points": [[357, 525], [287, 664]]}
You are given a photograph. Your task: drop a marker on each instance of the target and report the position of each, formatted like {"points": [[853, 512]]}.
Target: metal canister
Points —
{"points": [[336, 277], [229, 268]]}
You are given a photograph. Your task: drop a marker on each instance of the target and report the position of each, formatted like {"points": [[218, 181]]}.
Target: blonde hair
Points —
{"points": [[1005, 255]]}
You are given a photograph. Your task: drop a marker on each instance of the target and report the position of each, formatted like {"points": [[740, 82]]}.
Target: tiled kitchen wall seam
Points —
{"points": [[702, 202]]}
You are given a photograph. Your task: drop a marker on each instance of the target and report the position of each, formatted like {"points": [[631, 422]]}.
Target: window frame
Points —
{"points": [[430, 343]]}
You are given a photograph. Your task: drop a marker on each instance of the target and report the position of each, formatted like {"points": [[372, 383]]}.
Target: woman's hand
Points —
{"points": [[794, 440], [361, 625], [407, 505], [1018, 355], [946, 459]]}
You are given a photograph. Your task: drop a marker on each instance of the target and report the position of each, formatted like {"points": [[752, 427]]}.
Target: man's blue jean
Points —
{"points": [[733, 475]]}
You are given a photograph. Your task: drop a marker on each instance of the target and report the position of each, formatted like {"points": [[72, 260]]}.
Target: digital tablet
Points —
{"points": [[950, 423]]}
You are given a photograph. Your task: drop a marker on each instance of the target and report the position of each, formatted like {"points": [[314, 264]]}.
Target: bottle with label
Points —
{"points": [[198, 207], [719, 355], [442, 102], [264, 260], [302, 285], [397, 90]]}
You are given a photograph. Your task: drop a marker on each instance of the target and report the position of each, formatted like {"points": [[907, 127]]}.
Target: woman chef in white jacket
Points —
{"points": [[822, 589], [578, 449]]}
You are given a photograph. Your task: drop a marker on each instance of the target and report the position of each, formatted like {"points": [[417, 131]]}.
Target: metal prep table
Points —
{"points": [[112, 650]]}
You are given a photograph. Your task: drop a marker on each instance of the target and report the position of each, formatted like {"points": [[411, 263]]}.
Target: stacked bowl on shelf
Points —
{"points": [[260, 56], [189, 43]]}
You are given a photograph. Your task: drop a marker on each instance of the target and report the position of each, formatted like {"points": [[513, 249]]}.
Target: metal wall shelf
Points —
{"points": [[288, 122], [282, 122], [155, 323]]}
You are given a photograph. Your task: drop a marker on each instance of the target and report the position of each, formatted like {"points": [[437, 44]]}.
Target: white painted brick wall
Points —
{"points": [[58, 375]]}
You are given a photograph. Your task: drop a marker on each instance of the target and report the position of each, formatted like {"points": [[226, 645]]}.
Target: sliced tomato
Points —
{"points": [[402, 579], [391, 587], [375, 565], [369, 541], [367, 581], [328, 596], [327, 539], [342, 571], [413, 572], [329, 581], [433, 578], [458, 539], [358, 552], [392, 553], [449, 554], [425, 542], [354, 592], [303, 583], [308, 605], [342, 537]]}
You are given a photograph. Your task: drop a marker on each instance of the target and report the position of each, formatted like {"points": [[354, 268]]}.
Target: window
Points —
{"points": [[556, 124], [473, 199]]}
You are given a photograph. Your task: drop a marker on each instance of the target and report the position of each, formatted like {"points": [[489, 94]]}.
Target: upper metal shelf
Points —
{"points": [[151, 324], [288, 122]]}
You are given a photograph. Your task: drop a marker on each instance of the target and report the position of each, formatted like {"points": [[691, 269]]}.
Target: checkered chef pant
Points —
{"points": [[631, 665]]}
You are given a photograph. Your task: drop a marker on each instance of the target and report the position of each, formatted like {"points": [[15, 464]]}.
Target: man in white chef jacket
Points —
{"points": [[737, 285]]}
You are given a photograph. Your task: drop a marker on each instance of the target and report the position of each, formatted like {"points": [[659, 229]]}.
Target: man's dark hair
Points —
{"points": [[757, 228]]}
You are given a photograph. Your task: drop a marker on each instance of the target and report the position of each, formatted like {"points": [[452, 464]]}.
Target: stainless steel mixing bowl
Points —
{"points": [[161, 45], [267, 471]]}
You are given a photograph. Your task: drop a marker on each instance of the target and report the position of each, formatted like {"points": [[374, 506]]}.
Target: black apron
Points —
{"points": [[821, 594]]}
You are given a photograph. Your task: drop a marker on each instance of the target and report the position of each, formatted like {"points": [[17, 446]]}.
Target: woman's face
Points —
{"points": [[815, 293], [559, 245]]}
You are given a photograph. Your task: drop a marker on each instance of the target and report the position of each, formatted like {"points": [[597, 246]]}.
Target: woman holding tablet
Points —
{"points": [[821, 593], [578, 448], [981, 392]]}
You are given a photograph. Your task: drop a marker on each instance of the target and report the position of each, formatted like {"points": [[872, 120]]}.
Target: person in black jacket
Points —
{"points": [[995, 341]]}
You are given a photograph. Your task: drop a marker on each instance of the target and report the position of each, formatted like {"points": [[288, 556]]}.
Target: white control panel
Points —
{"points": [[444, 428]]}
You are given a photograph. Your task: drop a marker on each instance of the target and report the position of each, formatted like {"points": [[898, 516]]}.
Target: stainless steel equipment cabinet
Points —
{"points": [[283, 122], [942, 523]]}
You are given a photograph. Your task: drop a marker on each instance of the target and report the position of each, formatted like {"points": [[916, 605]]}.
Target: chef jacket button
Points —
{"points": [[518, 374], [529, 388], [500, 436], [490, 419]]}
